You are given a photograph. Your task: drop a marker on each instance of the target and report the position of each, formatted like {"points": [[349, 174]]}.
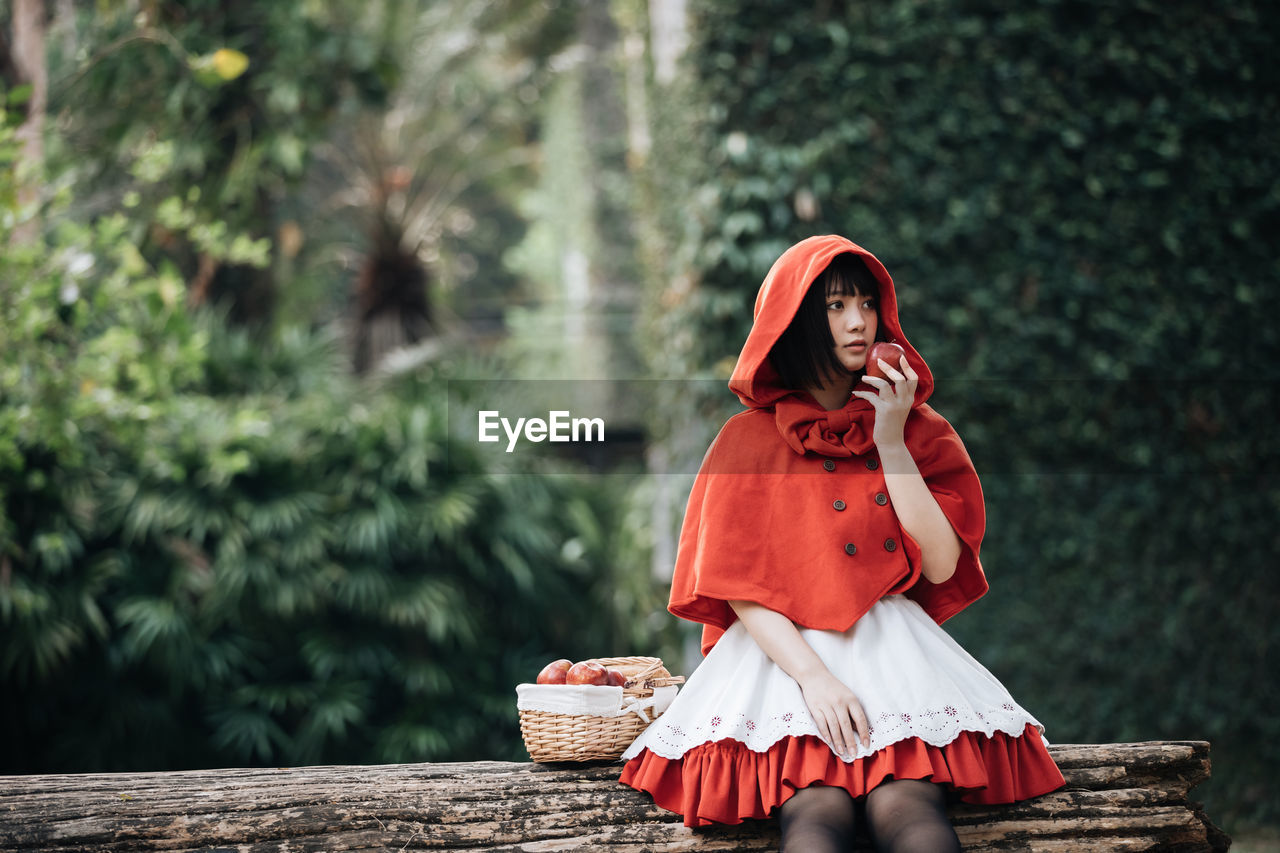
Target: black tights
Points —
{"points": [[903, 816], [818, 819], [910, 815]]}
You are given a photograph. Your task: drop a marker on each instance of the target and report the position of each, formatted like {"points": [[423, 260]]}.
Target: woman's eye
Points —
{"points": [[835, 306]]}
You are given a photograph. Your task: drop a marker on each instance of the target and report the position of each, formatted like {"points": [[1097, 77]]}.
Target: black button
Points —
{"points": [[890, 545], [829, 465], [851, 549], [838, 504], [872, 464], [882, 498]]}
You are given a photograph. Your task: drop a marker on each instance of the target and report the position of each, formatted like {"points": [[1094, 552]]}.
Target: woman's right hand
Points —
{"points": [[837, 712], [841, 721]]}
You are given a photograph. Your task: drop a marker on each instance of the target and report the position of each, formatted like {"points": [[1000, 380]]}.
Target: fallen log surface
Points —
{"points": [[1126, 796]]}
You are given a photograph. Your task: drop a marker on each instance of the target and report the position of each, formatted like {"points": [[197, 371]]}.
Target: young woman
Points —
{"points": [[832, 527]]}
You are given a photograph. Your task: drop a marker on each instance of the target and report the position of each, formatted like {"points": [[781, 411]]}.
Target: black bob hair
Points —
{"points": [[804, 355]]}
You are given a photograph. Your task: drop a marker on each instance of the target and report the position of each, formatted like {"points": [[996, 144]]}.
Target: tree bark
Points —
{"points": [[29, 63], [1117, 797]]}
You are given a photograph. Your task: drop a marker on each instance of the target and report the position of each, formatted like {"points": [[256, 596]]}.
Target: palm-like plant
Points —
{"points": [[407, 189]]}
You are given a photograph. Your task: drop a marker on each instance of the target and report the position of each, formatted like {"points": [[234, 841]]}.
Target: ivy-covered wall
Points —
{"points": [[1078, 202]]}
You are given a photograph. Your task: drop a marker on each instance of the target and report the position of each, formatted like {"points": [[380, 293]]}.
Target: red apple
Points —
{"points": [[555, 672], [891, 353], [586, 672], [616, 679]]}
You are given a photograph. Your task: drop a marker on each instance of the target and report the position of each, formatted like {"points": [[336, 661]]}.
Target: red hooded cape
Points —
{"points": [[790, 508]]}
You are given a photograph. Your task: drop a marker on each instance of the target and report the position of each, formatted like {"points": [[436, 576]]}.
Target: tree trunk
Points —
{"points": [[1117, 797], [670, 37], [29, 63]]}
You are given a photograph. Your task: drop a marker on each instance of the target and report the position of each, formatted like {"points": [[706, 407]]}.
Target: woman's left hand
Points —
{"points": [[892, 401]]}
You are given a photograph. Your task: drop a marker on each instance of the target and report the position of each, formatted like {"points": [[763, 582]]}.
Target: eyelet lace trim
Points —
{"points": [[935, 726]]}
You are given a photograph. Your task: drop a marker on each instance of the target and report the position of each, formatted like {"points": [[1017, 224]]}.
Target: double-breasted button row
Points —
{"points": [[839, 506]]}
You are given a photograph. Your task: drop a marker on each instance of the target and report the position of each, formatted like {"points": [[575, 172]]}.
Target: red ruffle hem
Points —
{"points": [[725, 782]]}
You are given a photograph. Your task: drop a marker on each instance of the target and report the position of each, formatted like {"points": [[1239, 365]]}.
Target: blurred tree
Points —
{"points": [[22, 68], [580, 252], [227, 98], [414, 189]]}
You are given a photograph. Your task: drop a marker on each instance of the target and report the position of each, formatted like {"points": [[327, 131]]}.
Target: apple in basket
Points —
{"points": [[587, 672], [616, 679], [555, 672]]}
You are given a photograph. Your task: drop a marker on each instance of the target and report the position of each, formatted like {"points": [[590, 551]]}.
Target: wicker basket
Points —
{"points": [[550, 736]]}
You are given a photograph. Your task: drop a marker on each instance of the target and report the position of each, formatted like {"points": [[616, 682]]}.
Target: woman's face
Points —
{"points": [[853, 321]]}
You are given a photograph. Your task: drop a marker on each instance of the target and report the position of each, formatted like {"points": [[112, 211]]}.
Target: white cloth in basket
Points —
{"points": [[593, 700]]}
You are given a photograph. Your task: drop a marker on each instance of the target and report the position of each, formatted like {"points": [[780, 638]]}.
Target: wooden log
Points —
{"points": [[1117, 797]]}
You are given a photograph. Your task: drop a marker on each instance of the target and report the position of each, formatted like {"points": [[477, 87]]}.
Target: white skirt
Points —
{"points": [[912, 678]]}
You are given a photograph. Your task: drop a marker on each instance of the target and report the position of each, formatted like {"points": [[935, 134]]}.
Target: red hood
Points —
{"points": [[755, 380]]}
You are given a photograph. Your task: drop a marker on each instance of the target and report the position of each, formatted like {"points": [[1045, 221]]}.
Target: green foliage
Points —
{"points": [[255, 123], [292, 576], [229, 99], [1073, 199], [377, 131], [217, 548]]}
